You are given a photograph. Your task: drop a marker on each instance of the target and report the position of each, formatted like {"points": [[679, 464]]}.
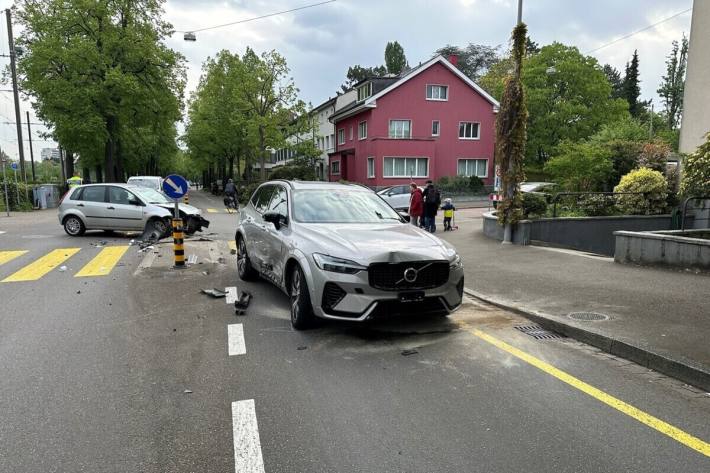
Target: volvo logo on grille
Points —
{"points": [[410, 274]]}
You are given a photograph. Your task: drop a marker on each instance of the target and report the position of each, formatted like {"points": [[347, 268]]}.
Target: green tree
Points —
{"points": [[395, 60], [568, 98], [631, 89], [614, 78], [98, 72], [696, 172], [673, 83], [359, 73], [580, 166], [510, 137], [474, 60]]}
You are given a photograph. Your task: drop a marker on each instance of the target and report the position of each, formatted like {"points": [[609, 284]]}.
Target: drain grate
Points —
{"points": [[539, 333], [588, 316]]}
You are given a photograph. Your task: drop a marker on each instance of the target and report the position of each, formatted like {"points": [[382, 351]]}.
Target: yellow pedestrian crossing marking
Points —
{"points": [[212, 211], [232, 245], [42, 266], [6, 256], [103, 263]]}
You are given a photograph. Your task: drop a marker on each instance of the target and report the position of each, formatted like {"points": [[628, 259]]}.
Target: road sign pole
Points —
{"points": [[17, 188], [4, 179], [175, 187], [178, 239]]}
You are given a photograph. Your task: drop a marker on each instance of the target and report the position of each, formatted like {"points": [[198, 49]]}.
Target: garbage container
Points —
{"points": [[52, 195]]}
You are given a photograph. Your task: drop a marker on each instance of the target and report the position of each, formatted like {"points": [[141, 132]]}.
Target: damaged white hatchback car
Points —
{"points": [[340, 252]]}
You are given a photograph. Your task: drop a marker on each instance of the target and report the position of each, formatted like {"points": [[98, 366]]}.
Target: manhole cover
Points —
{"points": [[588, 316], [537, 332]]}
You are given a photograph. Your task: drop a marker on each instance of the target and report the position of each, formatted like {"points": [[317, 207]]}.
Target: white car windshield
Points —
{"points": [[152, 196], [341, 206]]}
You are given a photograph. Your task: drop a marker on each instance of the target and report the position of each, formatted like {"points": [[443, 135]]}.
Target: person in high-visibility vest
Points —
{"points": [[75, 181]]}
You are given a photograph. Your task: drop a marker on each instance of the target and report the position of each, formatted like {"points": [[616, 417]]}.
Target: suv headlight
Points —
{"points": [[456, 263], [337, 265]]}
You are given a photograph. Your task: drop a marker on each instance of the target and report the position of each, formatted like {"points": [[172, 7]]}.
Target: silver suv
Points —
{"points": [[122, 207], [340, 252]]}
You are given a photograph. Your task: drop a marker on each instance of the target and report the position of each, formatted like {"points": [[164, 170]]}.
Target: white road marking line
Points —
{"points": [[192, 259], [574, 252], [247, 447], [231, 295], [235, 339], [1, 232]]}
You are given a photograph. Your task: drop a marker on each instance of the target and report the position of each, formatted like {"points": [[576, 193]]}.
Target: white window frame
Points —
{"points": [[368, 92], [371, 171], [458, 162], [333, 168], [393, 176], [341, 136], [360, 134], [438, 127], [437, 99], [478, 135], [389, 127], [351, 132]]}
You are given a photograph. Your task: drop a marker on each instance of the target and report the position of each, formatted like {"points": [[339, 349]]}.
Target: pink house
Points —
{"points": [[431, 121]]}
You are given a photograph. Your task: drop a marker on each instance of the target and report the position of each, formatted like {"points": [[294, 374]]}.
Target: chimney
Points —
{"points": [[454, 59]]}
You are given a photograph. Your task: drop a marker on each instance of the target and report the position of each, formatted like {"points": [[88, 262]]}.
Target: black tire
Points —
{"points": [[73, 226], [244, 268], [300, 300]]}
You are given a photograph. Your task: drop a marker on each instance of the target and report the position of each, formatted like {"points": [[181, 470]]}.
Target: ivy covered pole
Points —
{"points": [[511, 137]]}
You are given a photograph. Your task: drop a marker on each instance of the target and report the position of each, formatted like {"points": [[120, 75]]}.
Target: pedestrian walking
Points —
{"points": [[416, 205], [424, 192], [432, 200]]}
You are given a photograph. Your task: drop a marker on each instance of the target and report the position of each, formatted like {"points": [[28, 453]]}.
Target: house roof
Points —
{"points": [[371, 102], [330, 101]]}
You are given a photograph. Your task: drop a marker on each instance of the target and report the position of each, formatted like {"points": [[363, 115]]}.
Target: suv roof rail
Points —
{"points": [[290, 184]]}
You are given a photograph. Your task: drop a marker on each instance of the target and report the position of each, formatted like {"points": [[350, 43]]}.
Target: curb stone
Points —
{"points": [[685, 370]]}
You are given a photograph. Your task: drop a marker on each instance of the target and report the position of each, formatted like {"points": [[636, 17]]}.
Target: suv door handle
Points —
{"points": [[79, 205], [110, 207]]}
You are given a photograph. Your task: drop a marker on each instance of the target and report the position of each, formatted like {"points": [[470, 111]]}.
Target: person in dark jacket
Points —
{"points": [[416, 205], [432, 200], [426, 189]]}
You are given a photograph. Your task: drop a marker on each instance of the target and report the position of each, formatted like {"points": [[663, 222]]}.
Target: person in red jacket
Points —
{"points": [[416, 205]]}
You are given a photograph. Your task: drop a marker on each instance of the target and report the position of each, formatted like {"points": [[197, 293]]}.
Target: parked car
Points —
{"points": [[151, 182], [122, 207], [396, 196], [542, 187], [340, 252]]}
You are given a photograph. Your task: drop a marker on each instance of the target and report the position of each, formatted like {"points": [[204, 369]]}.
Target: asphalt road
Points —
{"points": [[132, 372]]}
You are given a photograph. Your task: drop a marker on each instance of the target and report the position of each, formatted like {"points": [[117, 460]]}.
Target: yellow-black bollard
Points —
{"points": [[178, 243], [187, 198]]}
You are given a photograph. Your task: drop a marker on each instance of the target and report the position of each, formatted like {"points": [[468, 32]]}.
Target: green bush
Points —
{"points": [[534, 204], [245, 192], [696, 172], [26, 196], [290, 172], [580, 167], [654, 186], [596, 205], [460, 184]]}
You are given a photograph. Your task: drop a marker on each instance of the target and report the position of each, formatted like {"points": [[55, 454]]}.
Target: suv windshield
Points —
{"points": [[340, 206], [152, 196]]}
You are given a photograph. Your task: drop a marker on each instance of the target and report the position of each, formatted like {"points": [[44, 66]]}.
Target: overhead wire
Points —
{"points": [[639, 31], [246, 20]]}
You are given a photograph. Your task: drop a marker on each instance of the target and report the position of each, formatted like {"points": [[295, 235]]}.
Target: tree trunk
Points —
{"points": [[110, 150], [262, 155], [86, 175], [69, 164], [230, 166], [99, 175], [120, 173]]}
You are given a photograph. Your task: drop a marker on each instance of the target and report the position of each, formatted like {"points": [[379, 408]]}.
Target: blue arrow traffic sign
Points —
{"points": [[14, 166], [175, 186]]}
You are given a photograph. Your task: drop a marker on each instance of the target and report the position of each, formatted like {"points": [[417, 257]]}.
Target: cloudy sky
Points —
{"points": [[322, 42]]}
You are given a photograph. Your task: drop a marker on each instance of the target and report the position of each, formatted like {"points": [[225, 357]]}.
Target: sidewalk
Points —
{"points": [[658, 318]]}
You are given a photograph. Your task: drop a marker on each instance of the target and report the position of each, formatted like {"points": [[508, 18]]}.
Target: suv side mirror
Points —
{"points": [[276, 218]]}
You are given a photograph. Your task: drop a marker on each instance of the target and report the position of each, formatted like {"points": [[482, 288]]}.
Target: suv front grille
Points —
{"points": [[420, 275]]}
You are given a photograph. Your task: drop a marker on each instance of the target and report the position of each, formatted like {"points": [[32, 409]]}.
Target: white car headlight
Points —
{"points": [[456, 263], [337, 265]]}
